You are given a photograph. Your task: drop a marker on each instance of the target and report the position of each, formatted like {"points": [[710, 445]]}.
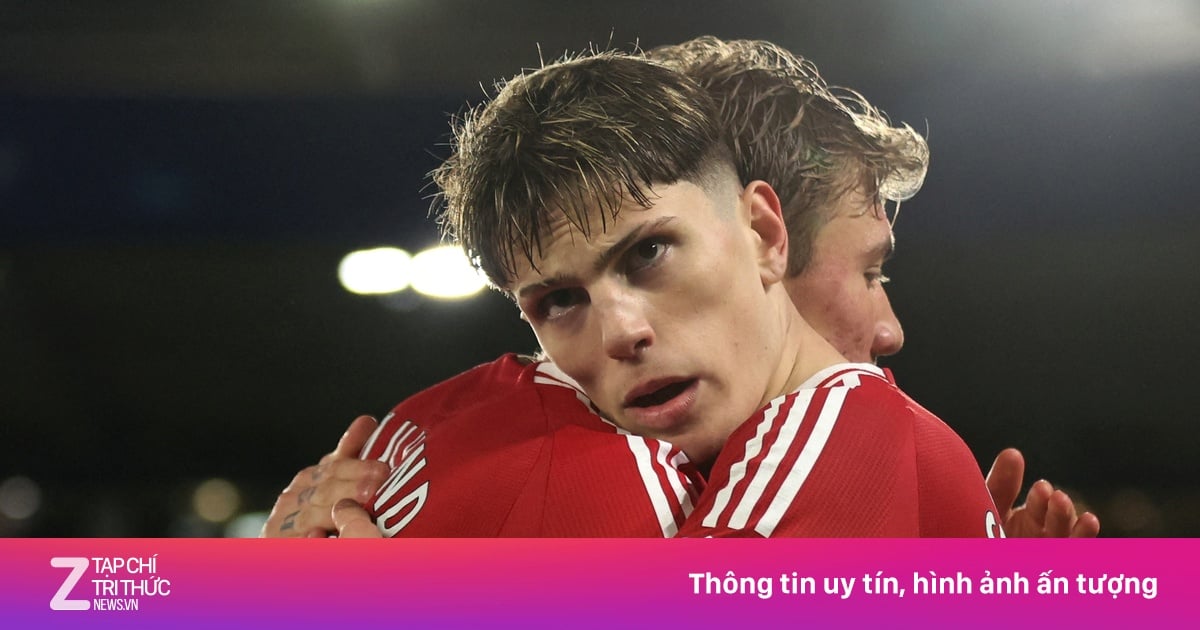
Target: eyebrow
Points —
{"points": [[603, 260], [884, 249]]}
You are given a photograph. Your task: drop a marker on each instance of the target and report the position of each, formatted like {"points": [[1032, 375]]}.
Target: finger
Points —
{"points": [[281, 524], [272, 528], [1088, 526], [1005, 478], [301, 480], [1060, 515], [353, 521], [1037, 501], [303, 508], [294, 513], [285, 514], [1020, 525], [352, 441], [356, 437], [349, 479], [308, 519]]}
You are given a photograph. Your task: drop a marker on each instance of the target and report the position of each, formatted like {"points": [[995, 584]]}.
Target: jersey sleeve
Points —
{"points": [[595, 480], [517, 452], [460, 452], [955, 502]]}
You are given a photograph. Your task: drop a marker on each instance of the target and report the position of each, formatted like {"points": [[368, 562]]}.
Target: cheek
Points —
{"points": [[854, 328], [708, 290], [839, 313], [823, 303], [569, 355], [843, 331]]}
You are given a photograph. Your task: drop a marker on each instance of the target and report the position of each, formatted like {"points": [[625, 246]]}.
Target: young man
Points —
{"points": [[599, 194], [859, 323]]}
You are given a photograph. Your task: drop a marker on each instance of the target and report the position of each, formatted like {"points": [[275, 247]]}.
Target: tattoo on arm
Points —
{"points": [[289, 522], [306, 494]]}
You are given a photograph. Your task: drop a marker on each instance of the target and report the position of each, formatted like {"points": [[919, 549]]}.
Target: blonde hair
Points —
{"points": [[813, 143]]}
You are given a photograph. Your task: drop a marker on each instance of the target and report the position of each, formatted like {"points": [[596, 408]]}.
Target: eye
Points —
{"points": [[645, 254], [559, 302], [875, 277]]}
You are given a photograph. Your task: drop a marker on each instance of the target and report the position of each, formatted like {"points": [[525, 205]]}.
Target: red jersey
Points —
{"points": [[515, 449], [847, 455]]}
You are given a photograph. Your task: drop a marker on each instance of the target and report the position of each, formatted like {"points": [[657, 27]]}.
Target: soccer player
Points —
{"points": [[599, 194], [833, 218]]}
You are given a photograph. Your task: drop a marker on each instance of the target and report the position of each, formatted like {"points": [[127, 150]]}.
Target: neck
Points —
{"points": [[804, 354]]}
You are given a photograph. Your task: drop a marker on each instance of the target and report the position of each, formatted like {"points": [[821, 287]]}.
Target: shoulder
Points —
{"points": [[480, 384], [818, 462]]}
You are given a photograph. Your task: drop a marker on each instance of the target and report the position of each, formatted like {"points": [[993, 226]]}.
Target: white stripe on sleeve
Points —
{"points": [[804, 464], [671, 472], [738, 470], [654, 489], [770, 462]]}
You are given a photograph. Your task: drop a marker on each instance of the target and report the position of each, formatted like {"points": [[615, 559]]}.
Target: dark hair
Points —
{"points": [[579, 134]]}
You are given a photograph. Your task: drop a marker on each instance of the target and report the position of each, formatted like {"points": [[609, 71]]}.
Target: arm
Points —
{"points": [[305, 507], [1047, 512]]}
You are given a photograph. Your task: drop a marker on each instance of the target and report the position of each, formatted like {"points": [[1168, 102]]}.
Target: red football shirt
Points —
{"points": [[848, 455], [512, 448]]}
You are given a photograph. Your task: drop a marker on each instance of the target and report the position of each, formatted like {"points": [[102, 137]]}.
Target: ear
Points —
{"points": [[770, 234]]}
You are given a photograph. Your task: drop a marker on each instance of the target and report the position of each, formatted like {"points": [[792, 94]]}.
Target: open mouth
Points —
{"points": [[662, 394]]}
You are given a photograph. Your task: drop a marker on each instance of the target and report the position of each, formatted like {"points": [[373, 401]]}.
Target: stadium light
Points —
{"points": [[375, 271], [444, 272]]}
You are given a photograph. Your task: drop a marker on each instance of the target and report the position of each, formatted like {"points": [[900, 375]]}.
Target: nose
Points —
{"points": [[889, 336], [624, 328]]}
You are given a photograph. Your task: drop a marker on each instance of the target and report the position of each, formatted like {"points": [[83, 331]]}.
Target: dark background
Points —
{"points": [[179, 181]]}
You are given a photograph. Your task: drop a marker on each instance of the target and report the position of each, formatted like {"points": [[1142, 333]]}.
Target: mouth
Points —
{"points": [[659, 395], [661, 408]]}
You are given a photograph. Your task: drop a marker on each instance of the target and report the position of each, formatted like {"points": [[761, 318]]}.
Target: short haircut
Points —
{"points": [[576, 135], [811, 142]]}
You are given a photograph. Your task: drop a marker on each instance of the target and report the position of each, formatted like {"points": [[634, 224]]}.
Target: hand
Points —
{"points": [[352, 521], [1047, 513], [305, 507]]}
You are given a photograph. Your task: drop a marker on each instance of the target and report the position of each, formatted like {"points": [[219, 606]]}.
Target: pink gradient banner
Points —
{"points": [[556, 583]]}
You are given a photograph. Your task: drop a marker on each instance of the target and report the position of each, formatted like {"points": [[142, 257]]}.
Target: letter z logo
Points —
{"points": [[60, 602]]}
